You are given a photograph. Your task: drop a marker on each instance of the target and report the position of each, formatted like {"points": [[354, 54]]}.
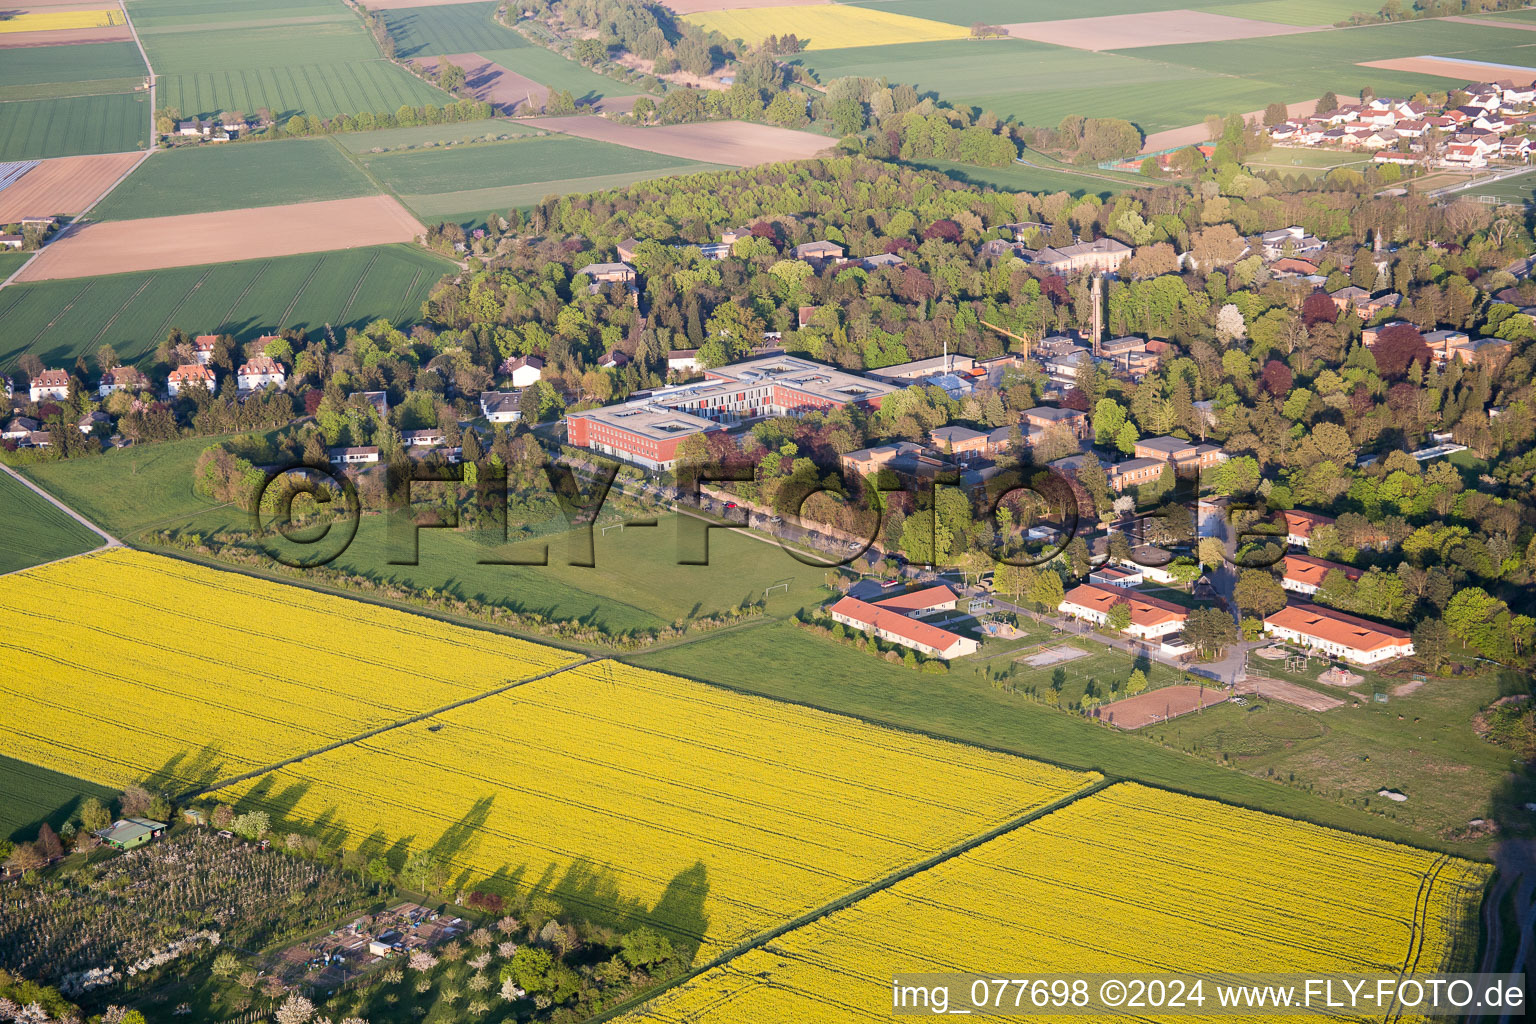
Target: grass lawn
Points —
{"points": [[1052, 177], [963, 706], [1421, 744], [1519, 189], [1298, 160], [30, 795], [34, 531], [60, 320], [547, 158], [434, 134], [73, 126], [248, 174]]}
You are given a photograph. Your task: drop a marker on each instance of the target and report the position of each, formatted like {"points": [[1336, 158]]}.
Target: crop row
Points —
{"points": [[122, 666], [1128, 880], [637, 796]]}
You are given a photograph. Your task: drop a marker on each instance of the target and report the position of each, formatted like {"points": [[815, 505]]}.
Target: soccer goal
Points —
{"points": [[613, 526], [776, 586]]}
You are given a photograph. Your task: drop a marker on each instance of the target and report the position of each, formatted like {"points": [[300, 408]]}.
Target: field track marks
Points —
{"points": [[342, 316], [282, 321], [108, 541], [166, 323], [850, 899], [266, 264], [59, 315], [126, 303]]}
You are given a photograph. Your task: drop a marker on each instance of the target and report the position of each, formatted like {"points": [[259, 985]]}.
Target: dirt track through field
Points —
{"points": [[114, 247], [1465, 71], [737, 143], [1160, 705], [1151, 28], [62, 187]]}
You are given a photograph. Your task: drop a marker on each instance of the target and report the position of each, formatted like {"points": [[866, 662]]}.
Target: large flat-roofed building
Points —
{"points": [[1349, 637], [647, 430], [921, 369], [641, 432]]}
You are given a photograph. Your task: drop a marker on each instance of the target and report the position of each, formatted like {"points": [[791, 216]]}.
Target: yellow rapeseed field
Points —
{"points": [[1129, 879], [634, 796], [45, 21], [826, 28], [122, 665]]}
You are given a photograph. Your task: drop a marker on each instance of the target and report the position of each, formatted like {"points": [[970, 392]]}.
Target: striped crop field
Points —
{"points": [[1128, 880], [826, 27], [631, 797], [122, 666]]}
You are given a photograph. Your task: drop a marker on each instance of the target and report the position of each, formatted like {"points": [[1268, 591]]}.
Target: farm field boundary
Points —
{"points": [[737, 143], [1446, 67], [504, 89], [478, 203], [199, 238], [1150, 28], [1193, 135], [1490, 23], [826, 27], [63, 186], [39, 129], [37, 529]]}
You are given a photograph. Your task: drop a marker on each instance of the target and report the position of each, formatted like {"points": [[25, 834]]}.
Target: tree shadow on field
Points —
{"points": [[188, 771]]}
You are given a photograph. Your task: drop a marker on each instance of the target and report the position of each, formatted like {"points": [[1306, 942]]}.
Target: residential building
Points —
{"points": [[1480, 349], [1349, 637], [609, 273], [1151, 617], [902, 457], [1304, 574], [627, 250], [190, 375], [501, 406], [259, 373], [1124, 577], [361, 456], [524, 371], [1443, 343], [128, 833], [202, 348], [91, 420], [613, 359], [380, 402], [122, 378], [1299, 527], [893, 620], [427, 437], [19, 428], [1369, 335], [959, 441], [50, 385], [1102, 255]]}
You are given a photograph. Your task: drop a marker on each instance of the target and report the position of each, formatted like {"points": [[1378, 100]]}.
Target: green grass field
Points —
{"points": [[1296, 12], [1519, 189], [549, 68], [10, 262], [472, 207], [1040, 178], [34, 531], [1004, 12], [247, 174], [30, 795], [551, 158], [454, 28], [964, 706], [46, 72], [74, 125], [59, 320], [310, 57], [434, 135]]}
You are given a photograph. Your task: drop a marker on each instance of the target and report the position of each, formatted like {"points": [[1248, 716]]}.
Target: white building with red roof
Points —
{"points": [[1338, 635], [1151, 617], [898, 620], [259, 372], [1304, 574], [50, 384], [190, 375]]}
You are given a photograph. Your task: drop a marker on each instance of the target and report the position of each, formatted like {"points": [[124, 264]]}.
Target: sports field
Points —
{"points": [[310, 57], [255, 174], [1519, 189], [651, 799], [59, 320], [101, 686], [73, 126], [1038, 176], [34, 530], [1129, 879], [825, 27]]}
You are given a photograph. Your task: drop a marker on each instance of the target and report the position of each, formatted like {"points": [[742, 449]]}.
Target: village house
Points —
{"points": [[202, 348], [19, 428], [260, 372], [501, 406], [1304, 574], [1353, 639], [91, 420], [898, 620], [613, 359], [427, 437], [190, 375], [122, 378], [380, 402], [524, 371], [1151, 617], [1299, 527], [1117, 576], [50, 384], [683, 360], [628, 249], [360, 456]]}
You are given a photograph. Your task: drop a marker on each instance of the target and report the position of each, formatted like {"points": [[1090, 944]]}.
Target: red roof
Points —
{"points": [[1145, 611], [896, 624], [50, 379], [1301, 524], [191, 371], [205, 341], [919, 600], [1337, 628], [1310, 571]]}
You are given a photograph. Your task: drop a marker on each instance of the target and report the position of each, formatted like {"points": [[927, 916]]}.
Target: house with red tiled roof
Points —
{"points": [[1299, 526], [50, 384], [190, 375], [1151, 617], [202, 347], [889, 624], [1338, 635], [1304, 574]]}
